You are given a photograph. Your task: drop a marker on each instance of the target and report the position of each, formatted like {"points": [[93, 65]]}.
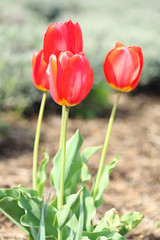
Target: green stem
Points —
{"points": [[65, 114], [62, 126], [36, 142], [105, 146]]}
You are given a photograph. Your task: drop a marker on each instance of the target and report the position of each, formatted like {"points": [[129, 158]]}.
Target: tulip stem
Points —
{"points": [[105, 146], [62, 127], [65, 114], [36, 141]]}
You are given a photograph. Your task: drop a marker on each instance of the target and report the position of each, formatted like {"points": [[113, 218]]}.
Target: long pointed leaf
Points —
{"points": [[81, 220], [104, 181], [73, 162], [64, 214], [41, 174]]}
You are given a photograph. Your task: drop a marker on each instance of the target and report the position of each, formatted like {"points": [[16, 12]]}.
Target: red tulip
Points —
{"points": [[40, 76], [122, 67], [62, 37], [71, 78]]}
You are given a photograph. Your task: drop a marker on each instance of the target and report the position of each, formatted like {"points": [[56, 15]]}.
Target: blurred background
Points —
{"points": [[22, 27]]}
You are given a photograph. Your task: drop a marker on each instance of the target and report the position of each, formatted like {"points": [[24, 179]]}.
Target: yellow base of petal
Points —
{"points": [[63, 102], [125, 89]]}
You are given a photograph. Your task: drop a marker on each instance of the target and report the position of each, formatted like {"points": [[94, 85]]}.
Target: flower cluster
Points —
{"points": [[62, 67]]}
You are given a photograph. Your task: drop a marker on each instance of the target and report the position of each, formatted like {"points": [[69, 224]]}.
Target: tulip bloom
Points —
{"points": [[40, 76], [62, 37], [71, 78], [122, 67]]}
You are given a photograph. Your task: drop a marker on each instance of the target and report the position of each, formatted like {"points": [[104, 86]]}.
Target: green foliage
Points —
{"points": [[42, 220], [73, 161], [81, 220], [25, 209], [65, 213], [104, 181], [129, 221], [110, 221], [41, 174], [104, 235], [41, 232]]}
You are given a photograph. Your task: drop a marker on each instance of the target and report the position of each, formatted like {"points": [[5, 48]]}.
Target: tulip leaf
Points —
{"points": [[109, 222], [23, 207], [85, 155], [89, 210], [129, 221], [80, 220], [65, 213], [85, 175], [72, 165], [41, 174], [33, 210], [104, 181], [9, 204], [108, 234], [89, 152], [73, 223], [102, 238]]}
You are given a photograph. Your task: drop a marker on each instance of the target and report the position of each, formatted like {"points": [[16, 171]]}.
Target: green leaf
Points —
{"points": [[28, 191], [85, 155], [24, 208], [85, 175], [104, 181], [33, 208], [101, 238], [73, 162], [109, 235], [41, 174], [89, 210], [9, 206], [73, 223], [41, 232], [65, 213], [109, 222], [82, 173], [89, 152], [81, 220], [129, 221]]}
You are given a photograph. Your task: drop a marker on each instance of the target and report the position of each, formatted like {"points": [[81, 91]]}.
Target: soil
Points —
{"points": [[134, 183]]}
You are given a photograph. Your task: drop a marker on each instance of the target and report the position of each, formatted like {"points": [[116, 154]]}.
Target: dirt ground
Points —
{"points": [[135, 182]]}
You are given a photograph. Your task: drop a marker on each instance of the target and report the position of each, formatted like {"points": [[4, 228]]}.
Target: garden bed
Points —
{"points": [[134, 183]]}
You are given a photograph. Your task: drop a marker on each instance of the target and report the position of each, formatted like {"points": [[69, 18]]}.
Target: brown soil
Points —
{"points": [[135, 182]]}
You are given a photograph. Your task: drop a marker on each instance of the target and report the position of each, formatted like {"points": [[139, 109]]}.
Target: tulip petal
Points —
{"points": [[54, 77], [55, 39], [77, 79], [119, 45], [74, 37], [39, 72], [122, 67], [125, 65], [64, 57]]}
